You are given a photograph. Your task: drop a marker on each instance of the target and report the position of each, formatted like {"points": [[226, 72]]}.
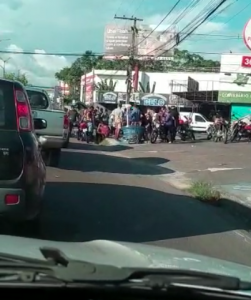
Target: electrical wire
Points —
{"points": [[230, 19], [157, 26], [203, 20], [72, 54], [188, 9]]}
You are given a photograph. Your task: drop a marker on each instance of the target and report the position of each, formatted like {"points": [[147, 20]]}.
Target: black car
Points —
{"points": [[22, 170]]}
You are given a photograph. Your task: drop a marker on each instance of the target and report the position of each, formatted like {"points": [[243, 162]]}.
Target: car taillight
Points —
{"points": [[66, 122], [23, 111]]}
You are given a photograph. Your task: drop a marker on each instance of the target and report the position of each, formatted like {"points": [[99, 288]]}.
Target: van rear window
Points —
{"points": [[38, 100], [7, 106]]}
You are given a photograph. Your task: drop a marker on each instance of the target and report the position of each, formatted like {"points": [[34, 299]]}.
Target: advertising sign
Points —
{"points": [[108, 97], [247, 34], [235, 78], [234, 97], [117, 40], [149, 45], [153, 100], [246, 61]]}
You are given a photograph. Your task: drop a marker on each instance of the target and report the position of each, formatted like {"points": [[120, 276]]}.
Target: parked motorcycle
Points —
{"points": [[147, 133], [157, 132], [185, 133], [240, 130], [219, 132]]}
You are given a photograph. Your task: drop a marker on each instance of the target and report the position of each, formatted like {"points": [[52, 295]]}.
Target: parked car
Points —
{"points": [[22, 169], [57, 134], [198, 122]]}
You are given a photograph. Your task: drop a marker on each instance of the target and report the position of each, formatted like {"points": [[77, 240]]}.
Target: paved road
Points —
{"points": [[94, 195]]}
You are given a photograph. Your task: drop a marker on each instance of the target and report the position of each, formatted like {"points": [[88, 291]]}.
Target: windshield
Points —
{"points": [[38, 100], [104, 175]]}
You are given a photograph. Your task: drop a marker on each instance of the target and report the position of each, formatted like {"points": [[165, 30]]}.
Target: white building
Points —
{"points": [[166, 83], [235, 78]]}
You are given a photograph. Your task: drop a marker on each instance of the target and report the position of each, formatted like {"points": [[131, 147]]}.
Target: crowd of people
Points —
{"points": [[167, 117]]}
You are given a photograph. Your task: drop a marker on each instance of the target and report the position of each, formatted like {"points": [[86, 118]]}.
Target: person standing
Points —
{"points": [[118, 118]]}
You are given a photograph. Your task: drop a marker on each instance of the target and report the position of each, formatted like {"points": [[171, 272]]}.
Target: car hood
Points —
{"points": [[123, 254]]}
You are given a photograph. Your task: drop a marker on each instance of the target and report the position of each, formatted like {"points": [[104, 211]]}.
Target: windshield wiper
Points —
{"points": [[59, 267]]}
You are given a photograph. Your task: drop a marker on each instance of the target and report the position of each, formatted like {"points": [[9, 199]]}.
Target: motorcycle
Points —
{"points": [[219, 132], [240, 130], [157, 131], [185, 133], [147, 132]]}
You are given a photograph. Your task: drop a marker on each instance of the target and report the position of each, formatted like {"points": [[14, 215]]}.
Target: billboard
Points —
{"points": [[149, 45]]}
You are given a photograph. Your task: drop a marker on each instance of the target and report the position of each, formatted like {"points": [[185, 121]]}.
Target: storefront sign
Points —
{"points": [[109, 97], [234, 96], [153, 100]]}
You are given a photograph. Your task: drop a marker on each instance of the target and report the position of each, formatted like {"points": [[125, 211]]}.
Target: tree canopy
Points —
{"points": [[183, 61], [17, 76]]}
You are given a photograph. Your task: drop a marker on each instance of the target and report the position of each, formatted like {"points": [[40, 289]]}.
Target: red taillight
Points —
{"points": [[24, 119], [66, 122], [11, 199]]}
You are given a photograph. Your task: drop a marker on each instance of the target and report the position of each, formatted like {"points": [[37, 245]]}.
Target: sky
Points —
{"points": [[62, 26]]}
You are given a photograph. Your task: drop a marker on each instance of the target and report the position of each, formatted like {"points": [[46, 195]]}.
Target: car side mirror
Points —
{"points": [[40, 124]]}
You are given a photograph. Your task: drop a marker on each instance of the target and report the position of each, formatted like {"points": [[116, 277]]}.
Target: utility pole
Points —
{"points": [[4, 63], [131, 55]]}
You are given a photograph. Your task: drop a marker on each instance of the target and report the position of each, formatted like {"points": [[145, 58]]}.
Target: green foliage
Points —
{"points": [[204, 191], [17, 76], [147, 89], [182, 61], [106, 85]]}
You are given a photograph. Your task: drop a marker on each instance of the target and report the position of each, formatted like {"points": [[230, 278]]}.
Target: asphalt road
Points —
{"points": [[94, 195]]}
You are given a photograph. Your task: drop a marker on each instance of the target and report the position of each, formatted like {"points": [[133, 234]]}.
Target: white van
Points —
{"points": [[199, 122]]}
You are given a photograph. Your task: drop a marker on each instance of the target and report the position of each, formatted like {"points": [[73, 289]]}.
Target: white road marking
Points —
{"points": [[242, 187], [222, 169]]}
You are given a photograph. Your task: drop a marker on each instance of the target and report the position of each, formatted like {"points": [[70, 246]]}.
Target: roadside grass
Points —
{"points": [[204, 191]]}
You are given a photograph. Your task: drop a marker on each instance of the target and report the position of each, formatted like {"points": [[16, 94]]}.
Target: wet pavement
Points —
{"points": [[97, 194]]}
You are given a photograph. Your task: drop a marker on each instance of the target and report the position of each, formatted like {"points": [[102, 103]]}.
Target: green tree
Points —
{"points": [[17, 76], [106, 85], [183, 60]]}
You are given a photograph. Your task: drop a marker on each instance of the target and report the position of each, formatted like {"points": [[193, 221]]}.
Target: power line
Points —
{"points": [[201, 21], [72, 54], [157, 26], [231, 18]]}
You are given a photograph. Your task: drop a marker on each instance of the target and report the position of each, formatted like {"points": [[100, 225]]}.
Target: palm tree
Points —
{"points": [[106, 85], [147, 89]]}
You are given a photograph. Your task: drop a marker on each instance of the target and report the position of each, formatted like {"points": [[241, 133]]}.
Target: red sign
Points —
{"points": [[246, 61]]}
